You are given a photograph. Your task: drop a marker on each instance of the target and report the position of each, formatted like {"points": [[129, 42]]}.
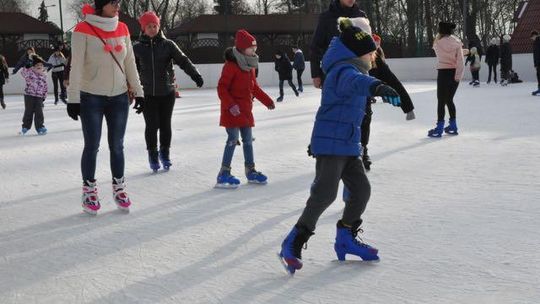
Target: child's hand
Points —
{"points": [[234, 110], [388, 94], [272, 106], [411, 116]]}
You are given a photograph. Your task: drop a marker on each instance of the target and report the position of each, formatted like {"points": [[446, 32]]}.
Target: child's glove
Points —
{"points": [[74, 110], [388, 94], [272, 106], [410, 115], [234, 110], [139, 105]]}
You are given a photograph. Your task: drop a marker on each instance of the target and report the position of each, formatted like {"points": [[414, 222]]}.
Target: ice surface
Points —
{"points": [[456, 219]]}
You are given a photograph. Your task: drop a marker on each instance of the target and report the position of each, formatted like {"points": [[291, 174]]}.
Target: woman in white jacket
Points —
{"points": [[102, 81]]}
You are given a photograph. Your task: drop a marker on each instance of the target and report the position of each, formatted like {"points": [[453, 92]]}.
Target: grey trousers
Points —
{"points": [[329, 171], [33, 111]]}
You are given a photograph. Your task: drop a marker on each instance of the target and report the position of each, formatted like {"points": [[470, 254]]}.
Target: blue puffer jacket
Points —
{"points": [[344, 96]]}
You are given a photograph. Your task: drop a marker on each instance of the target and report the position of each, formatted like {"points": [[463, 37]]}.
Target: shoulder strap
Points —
{"points": [[105, 43]]}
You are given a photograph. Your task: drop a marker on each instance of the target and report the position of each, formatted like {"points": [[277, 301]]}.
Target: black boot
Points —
{"points": [[3, 103], [366, 159]]}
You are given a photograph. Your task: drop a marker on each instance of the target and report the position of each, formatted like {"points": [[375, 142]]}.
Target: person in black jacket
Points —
{"points": [[4, 78], [536, 50], [155, 56], [299, 64], [492, 59], [381, 71], [326, 30], [506, 60], [284, 68]]}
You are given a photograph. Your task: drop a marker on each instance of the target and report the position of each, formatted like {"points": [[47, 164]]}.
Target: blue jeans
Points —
{"points": [[115, 110], [247, 144]]}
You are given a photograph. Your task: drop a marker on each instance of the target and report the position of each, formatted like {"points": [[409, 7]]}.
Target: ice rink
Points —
{"points": [[456, 219]]}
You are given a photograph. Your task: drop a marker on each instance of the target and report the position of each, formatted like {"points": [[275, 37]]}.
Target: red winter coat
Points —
{"points": [[238, 87]]}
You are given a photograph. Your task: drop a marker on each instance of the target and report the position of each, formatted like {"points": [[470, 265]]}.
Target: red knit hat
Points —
{"points": [[244, 40], [376, 38], [147, 18]]}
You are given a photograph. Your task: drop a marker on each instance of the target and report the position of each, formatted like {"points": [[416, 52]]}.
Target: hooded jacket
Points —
{"points": [[337, 128], [326, 30], [299, 62], [283, 66], [238, 87], [450, 55], [93, 69], [155, 58]]}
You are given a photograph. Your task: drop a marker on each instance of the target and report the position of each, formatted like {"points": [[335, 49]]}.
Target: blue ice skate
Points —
{"points": [[438, 130], [227, 181], [256, 177], [347, 243], [452, 128], [291, 249]]}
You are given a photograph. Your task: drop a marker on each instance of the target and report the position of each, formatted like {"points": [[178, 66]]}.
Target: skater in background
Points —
{"points": [[299, 64], [25, 60], [381, 71], [4, 79], [450, 66], [102, 81], [282, 65], [474, 59], [492, 59], [58, 63], [506, 60], [34, 95], [347, 85], [236, 89], [326, 30], [535, 37], [155, 56]]}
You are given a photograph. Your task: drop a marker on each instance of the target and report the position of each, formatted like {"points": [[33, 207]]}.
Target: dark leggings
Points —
{"points": [[538, 75], [446, 89], [157, 115], [291, 84], [492, 68], [366, 124], [475, 75], [58, 80]]}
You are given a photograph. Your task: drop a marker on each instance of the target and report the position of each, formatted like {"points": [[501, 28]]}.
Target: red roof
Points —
{"points": [[256, 24], [530, 20], [19, 23]]}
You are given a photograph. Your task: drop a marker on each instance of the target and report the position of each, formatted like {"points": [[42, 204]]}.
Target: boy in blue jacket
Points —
{"points": [[335, 143]]}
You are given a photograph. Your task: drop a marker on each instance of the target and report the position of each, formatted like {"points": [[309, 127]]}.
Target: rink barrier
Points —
{"points": [[407, 69]]}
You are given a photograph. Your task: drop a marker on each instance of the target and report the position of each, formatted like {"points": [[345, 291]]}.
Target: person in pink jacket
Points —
{"points": [[450, 66]]}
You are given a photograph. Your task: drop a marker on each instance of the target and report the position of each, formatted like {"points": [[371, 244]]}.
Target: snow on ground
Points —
{"points": [[456, 219]]}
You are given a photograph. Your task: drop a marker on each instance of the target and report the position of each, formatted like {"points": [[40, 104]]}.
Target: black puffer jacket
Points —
{"points": [[283, 66], [326, 29], [382, 72], [492, 55], [155, 58], [506, 56]]}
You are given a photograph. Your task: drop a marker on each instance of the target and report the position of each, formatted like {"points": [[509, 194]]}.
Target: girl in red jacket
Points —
{"points": [[237, 88]]}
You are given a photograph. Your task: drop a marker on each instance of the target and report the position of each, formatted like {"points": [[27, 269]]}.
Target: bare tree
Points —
{"points": [[19, 6]]}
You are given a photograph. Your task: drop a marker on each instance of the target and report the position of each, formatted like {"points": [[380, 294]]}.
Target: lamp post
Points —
{"points": [[61, 17]]}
